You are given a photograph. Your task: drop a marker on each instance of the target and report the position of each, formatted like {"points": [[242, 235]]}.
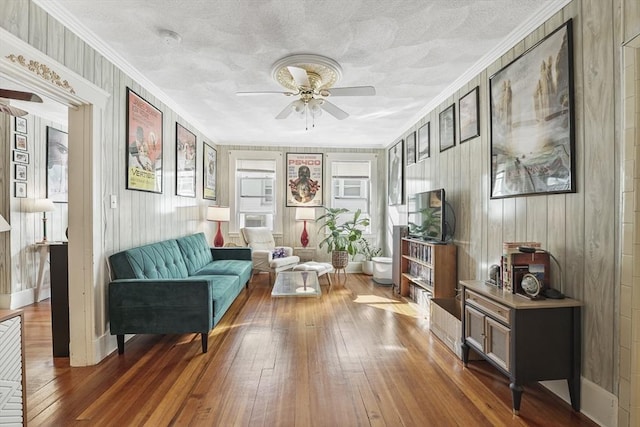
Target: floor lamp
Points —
{"points": [[219, 214], [44, 206], [305, 214]]}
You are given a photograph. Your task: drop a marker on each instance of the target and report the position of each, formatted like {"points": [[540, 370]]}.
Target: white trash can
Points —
{"points": [[382, 270]]}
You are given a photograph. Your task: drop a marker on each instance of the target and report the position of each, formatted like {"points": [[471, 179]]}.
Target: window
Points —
{"points": [[254, 196], [351, 186]]}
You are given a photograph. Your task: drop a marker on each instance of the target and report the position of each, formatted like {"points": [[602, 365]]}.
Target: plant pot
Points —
{"points": [[339, 259], [367, 267]]}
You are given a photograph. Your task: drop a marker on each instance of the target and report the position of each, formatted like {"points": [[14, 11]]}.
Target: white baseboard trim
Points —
{"points": [[22, 298], [595, 402]]}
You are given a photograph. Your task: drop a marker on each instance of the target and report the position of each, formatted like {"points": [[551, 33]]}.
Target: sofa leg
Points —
{"points": [[120, 339], [205, 342]]}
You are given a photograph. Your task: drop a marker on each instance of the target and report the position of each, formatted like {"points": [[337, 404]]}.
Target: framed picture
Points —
{"points": [[185, 162], [424, 141], [20, 142], [396, 174], [448, 128], [21, 125], [532, 120], [57, 165], [469, 119], [304, 179], [144, 145], [411, 148], [20, 189], [210, 167], [21, 157], [20, 172]]}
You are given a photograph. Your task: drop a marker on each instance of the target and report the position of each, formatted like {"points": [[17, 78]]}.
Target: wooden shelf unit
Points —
{"points": [[430, 266]]}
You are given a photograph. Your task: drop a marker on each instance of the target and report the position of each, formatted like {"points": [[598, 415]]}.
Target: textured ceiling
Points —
{"points": [[409, 50]]}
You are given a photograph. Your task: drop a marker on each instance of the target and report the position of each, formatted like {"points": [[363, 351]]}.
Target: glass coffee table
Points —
{"points": [[296, 284]]}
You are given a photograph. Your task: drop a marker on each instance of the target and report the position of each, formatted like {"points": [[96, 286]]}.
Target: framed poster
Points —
{"points": [[20, 172], [469, 120], [144, 145], [21, 157], [210, 167], [304, 179], [396, 174], [57, 165], [424, 141], [532, 120], [20, 142], [21, 125], [185, 162], [411, 148], [20, 189], [448, 128]]}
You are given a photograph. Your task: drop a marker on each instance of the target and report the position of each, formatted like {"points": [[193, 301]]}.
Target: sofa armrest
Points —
{"points": [[231, 253]]}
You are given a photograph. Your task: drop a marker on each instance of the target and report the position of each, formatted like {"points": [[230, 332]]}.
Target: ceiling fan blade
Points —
{"points": [[20, 96], [333, 110], [12, 111], [286, 112], [352, 91], [266, 92], [300, 76]]}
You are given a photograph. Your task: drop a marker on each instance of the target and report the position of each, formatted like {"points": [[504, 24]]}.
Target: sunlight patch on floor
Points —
{"points": [[374, 299]]}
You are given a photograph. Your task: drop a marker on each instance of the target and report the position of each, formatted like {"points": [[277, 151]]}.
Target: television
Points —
{"points": [[430, 217]]}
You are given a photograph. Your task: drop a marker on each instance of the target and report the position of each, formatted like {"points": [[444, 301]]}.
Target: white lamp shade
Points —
{"points": [[305, 214], [218, 213], [39, 205], [4, 225]]}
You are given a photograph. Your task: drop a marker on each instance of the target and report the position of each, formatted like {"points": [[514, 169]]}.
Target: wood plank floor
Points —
{"points": [[357, 356]]}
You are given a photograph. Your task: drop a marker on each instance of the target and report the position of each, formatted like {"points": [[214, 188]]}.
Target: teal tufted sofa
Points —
{"points": [[175, 286]]}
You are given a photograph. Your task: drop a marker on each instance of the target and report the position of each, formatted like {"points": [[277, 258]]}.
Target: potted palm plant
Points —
{"points": [[369, 252], [342, 238]]}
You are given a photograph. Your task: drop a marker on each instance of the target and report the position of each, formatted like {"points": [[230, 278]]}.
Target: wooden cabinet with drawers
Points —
{"points": [[527, 340], [13, 391]]}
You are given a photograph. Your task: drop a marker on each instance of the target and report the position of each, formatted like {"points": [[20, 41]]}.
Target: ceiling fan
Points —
{"points": [[311, 79], [7, 94]]}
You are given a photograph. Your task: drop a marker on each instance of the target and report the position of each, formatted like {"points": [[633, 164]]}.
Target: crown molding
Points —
{"points": [[60, 13], [513, 38]]}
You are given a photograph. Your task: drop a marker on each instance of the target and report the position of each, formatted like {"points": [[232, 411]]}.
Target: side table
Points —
{"points": [[305, 254]]}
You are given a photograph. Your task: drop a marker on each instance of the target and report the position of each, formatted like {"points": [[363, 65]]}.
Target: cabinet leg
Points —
{"points": [[574, 392], [465, 354], [120, 340], [516, 395]]}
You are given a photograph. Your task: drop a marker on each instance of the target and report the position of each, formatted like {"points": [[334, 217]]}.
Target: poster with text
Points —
{"points": [[304, 179], [210, 169], [144, 145], [185, 162]]}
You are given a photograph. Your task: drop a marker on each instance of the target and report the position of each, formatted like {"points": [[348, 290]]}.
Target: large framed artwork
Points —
{"points": [[304, 179], [210, 167], [448, 127], [424, 141], [396, 174], [532, 120], [144, 145], [411, 148], [469, 119], [185, 162], [57, 165]]}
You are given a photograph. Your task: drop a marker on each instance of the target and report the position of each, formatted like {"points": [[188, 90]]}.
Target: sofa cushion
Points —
{"points": [[196, 252], [224, 290], [162, 260], [229, 267]]}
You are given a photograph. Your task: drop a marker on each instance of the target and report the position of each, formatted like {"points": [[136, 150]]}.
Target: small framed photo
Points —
{"points": [[20, 189], [448, 128], [20, 172], [469, 117], [424, 141], [411, 148], [20, 142], [21, 157], [21, 125]]}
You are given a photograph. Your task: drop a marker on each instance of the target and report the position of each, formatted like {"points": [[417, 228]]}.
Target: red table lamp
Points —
{"points": [[219, 214], [305, 214]]}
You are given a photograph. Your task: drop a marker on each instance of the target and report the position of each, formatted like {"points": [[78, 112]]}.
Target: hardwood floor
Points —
{"points": [[357, 356]]}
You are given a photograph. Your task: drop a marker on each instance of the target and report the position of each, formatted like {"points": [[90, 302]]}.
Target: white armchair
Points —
{"points": [[261, 241]]}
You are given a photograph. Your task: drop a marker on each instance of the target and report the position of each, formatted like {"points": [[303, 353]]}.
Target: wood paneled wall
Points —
{"points": [[580, 229]]}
